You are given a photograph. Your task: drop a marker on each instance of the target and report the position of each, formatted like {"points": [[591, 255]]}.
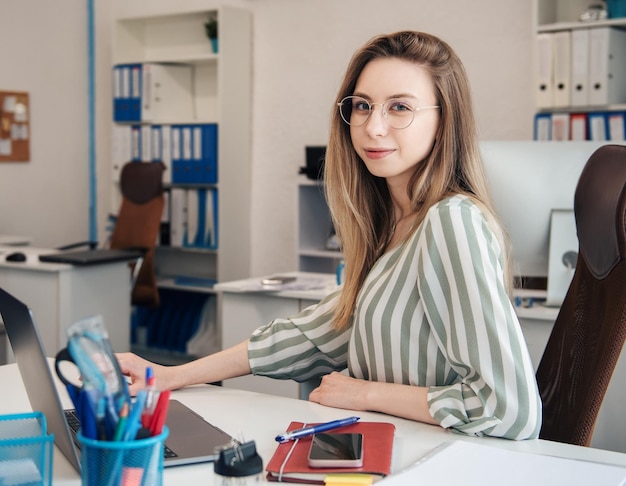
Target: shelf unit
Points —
{"points": [[221, 94], [314, 229], [146, 31], [553, 16]]}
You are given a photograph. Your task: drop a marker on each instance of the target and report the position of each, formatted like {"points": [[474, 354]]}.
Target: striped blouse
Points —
{"points": [[432, 312]]}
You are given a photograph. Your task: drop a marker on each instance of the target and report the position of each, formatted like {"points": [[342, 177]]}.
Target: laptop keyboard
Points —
{"points": [[74, 424]]}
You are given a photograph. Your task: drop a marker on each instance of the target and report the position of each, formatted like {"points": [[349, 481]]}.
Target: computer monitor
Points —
{"points": [[528, 180]]}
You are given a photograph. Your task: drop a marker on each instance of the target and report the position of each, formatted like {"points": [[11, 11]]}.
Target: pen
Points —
{"points": [[315, 429], [121, 424]]}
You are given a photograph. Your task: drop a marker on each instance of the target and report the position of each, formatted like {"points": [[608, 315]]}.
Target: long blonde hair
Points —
{"points": [[360, 203]]}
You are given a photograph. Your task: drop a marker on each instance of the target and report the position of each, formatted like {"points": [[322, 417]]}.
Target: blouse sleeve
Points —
{"points": [[301, 347], [493, 389]]}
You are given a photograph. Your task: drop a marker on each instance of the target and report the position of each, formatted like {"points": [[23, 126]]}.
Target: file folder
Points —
{"points": [[166, 152], [578, 126], [580, 67], [607, 66], [597, 126], [543, 127], [617, 126], [178, 216], [127, 92], [146, 143], [560, 127], [543, 71], [193, 233], [211, 215], [135, 140], [177, 166], [562, 57], [121, 150]]}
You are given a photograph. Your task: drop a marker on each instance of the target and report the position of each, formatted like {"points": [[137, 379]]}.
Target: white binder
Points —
{"points": [[580, 67], [146, 143], [607, 66], [543, 71], [167, 93], [617, 126], [178, 216], [562, 72], [121, 150]]}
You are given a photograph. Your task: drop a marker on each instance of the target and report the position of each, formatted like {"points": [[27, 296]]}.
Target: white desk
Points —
{"points": [[260, 417], [60, 294]]}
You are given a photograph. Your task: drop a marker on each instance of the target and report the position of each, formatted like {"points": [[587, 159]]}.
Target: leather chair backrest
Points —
{"points": [[589, 332]]}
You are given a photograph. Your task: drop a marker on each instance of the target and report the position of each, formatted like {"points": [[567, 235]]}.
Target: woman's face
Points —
{"points": [[389, 152]]}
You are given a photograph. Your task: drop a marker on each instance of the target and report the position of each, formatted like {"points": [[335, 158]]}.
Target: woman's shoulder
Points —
{"points": [[459, 202]]}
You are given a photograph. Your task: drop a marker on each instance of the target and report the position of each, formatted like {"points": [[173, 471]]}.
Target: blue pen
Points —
{"points": [[315, 429], [133, 423]]}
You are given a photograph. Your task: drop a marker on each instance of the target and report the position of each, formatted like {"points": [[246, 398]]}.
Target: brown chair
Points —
{"points": [[589, 332], [138, 224]]}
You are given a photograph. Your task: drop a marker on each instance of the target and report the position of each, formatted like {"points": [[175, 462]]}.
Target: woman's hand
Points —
{"points": [[135, 368], [341, 391]]}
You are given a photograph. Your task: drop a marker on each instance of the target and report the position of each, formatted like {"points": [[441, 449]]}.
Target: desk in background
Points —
{"points": [[13, 240], [242, 310], [260, 417], [60, 294]]}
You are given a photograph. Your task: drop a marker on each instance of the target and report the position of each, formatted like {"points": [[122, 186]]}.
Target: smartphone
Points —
{"points": [[336, 450], [278, 280]]}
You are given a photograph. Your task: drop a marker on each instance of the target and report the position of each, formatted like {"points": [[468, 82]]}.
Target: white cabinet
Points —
{"points": [[314, 230]]}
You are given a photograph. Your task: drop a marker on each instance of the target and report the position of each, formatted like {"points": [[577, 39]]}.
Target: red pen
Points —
{"points": [[160, 413], [151, 398]]}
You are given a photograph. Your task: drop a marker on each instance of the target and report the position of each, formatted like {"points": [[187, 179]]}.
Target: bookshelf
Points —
{"points": [[206, 88], [580, 73], [314, 229]]}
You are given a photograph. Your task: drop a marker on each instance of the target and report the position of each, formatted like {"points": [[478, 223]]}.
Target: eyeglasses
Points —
{"points": [[397, 112]]}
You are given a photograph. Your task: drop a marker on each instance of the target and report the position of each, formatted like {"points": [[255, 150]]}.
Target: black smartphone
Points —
{"points": [[336, 450]]}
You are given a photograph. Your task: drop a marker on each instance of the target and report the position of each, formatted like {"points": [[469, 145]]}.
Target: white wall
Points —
{"points": [[45, 54], [301, 48]]}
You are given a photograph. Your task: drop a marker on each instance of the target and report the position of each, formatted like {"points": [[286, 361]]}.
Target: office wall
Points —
{"points": [[301, 48], [44, 53]]}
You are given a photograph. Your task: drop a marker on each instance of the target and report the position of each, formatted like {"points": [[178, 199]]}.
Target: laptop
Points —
{"points": [[91, 257], [191, 439]]}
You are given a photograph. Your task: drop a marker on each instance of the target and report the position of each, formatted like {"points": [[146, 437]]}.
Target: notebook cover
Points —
{"points": [[377, 451]]}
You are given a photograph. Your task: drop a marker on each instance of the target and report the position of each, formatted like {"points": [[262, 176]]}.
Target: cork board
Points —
{"points": [[14, 127]]}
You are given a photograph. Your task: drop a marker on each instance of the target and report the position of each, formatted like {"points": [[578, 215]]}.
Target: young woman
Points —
{"points": [[423, 321]]}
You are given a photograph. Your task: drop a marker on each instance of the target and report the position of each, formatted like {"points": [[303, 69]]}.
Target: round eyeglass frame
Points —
{"points": [[351, 98]]}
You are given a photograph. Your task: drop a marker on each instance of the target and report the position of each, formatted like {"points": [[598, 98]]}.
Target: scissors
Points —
{"points": [[100, 398]]}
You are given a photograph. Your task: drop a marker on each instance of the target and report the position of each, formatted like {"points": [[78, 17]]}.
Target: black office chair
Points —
{"points": [[589, 332]]}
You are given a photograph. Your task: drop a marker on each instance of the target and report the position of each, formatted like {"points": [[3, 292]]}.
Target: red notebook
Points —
{"points": [[291, 456]]}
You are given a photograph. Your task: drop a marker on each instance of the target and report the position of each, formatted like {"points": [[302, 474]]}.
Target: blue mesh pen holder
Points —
{"points": [[115, 463], [25, 450]]}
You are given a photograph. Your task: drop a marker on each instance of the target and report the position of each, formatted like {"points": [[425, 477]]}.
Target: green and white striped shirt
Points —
{"points": [[432, 312]]}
